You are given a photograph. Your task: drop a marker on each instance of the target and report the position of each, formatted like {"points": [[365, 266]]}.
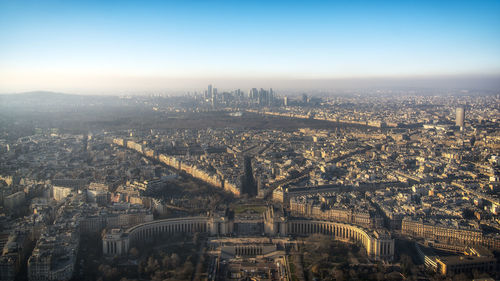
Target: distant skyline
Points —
{"points": [[134, 46]]}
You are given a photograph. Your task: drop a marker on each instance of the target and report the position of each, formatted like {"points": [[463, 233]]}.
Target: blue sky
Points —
{"points": [[50, 44]]}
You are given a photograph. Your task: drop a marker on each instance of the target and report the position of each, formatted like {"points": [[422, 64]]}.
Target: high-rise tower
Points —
{"points": [[214, 97], [209, 91], [460, 117]]}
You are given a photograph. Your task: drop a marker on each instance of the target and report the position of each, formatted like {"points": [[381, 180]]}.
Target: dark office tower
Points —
{"points": [[214, 97], [248, 182], [460, 117], [254, 94], [263, 97], [271, 97], [209, 91], [304, 98]]}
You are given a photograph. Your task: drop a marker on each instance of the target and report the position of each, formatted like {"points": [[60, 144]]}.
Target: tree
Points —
{"points": [[152, 265], [175, 260], [344, 265], [339, 274], [315, 269], [134, 252], [196, 238], [109, 273], [468, 214], [460, 277], [159, 275], [353, 275], [166, 262], [187, 270], [142, 267], [406, 264]]}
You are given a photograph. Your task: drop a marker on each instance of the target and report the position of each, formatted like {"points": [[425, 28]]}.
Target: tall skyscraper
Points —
{"points": [[270, 97], [460, 117], [214, 97], [253, 94], [304, 98], [262, 98], [209, 91]]}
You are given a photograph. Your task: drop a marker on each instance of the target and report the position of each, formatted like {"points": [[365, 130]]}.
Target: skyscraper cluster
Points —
{"points": [[262, 97], [211, 94]]}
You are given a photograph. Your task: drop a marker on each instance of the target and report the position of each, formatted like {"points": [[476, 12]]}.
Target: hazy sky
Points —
{"points": [[149, 45]]}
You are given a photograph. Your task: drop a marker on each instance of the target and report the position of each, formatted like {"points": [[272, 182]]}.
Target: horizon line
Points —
{"points": [[119, 85]]}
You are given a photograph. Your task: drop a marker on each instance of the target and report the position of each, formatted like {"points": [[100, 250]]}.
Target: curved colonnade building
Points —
{"points": [[378, 244]]}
